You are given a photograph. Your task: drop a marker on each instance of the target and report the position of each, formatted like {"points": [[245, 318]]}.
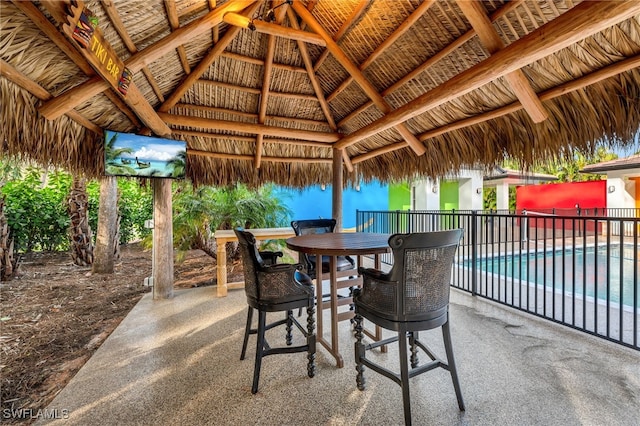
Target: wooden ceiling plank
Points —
{"points": [[355, 16], [578, 23], [204, 64], [477, 16], [401, 30], [118, 25], [273, 29], [317, 88], [180, 120], [368, 88], [174, 22], [15, 76], [570, 86]]}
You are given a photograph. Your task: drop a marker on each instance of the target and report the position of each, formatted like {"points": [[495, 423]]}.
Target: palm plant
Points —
{"points": [[199, 212], [80, 230]]}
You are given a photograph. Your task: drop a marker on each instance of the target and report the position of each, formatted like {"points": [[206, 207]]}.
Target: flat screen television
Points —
{"points": [[127, 154]]}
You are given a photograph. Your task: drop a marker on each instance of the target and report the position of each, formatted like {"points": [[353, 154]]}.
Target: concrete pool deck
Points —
{"points": [[177, 362]]}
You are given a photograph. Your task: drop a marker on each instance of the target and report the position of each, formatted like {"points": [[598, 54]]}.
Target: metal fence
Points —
{"points": [[577, 270]]}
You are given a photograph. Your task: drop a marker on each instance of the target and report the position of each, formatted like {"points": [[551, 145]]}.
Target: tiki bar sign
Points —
{"points": [[83, 29]]}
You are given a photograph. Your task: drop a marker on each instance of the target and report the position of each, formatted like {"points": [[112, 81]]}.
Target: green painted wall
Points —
{"points": [[399, 196], [449, 195]]}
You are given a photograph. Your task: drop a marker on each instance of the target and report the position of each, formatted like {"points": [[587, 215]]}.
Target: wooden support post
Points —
{"points": [[336, 189], [162, 240], [221, 269]]}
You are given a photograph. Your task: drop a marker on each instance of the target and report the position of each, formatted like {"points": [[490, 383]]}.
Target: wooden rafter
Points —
{"points": [[264, 95], [258, 61], [581, 21], [324, 105], [580, 83], [273, 29], [224, 156], [15, 76], [356, 14], [204, 64], [402, 29], [128, 42], [215, 31], [174, 21], [252, 116], [368, 88], [34, 14], [457, 43], [203, 123], [70, 99], [477, 16], [249, 139]]}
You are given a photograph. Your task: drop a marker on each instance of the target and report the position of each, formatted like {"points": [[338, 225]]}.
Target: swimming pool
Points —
{"points": [[595, 272]]}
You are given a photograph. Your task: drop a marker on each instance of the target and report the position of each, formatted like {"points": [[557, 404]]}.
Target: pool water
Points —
{"points": [[587, 268]]}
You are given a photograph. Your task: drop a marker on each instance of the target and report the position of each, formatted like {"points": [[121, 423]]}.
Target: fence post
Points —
{"points": [[474, 253]]}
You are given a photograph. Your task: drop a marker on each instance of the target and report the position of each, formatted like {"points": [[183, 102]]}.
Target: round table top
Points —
{"points": [[340, 243]]}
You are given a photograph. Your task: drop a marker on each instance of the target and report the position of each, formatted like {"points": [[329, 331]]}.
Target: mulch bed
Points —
{"points": [[54, 315]]}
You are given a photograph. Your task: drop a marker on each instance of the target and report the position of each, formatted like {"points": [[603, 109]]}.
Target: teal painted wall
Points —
{"points": [[399, 196]]}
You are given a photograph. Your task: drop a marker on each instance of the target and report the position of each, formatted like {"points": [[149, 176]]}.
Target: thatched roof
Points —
{"points": [[397, 88]]}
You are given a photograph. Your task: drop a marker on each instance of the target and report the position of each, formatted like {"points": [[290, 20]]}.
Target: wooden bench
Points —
{"points": [[226, 236]]}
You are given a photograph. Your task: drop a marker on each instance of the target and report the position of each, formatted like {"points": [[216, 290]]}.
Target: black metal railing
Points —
{"points": [[577, 270]]}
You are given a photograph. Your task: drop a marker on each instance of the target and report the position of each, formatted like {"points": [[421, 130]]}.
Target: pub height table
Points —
{"points": [[335, 244]]}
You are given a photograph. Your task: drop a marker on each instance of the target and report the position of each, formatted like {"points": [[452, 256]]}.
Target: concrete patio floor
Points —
{"points": [[176, 362]]}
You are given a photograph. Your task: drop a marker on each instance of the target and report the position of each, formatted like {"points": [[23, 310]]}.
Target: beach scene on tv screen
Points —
{"points": [[127, 154]]}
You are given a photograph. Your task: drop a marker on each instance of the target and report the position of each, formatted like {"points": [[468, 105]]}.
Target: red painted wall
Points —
{"points": [[561, 199], [589, 195]]}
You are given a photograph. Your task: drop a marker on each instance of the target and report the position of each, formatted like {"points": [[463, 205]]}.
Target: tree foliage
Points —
{"points": [[199, 212], [36, 207]]}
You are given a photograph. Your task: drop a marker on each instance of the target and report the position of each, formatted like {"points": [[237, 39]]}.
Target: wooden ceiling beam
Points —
{"points": [[434, 59], [368, 88], [204, 64], [273, 29], [185, 34], [118, 25], [570, 86], [34, 14], [225, 156], [477, 16], [68, 100], [252, 128], [249, 139], [15, 76], [578, 23], [401, 30], [253, 116], [356, 14], [324, 105], [264, 95], [258, 61], [174, 22]]}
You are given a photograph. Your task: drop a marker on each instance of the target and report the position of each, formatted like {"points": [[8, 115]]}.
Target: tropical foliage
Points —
{"points": [[199, 212], [36, 203]]}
